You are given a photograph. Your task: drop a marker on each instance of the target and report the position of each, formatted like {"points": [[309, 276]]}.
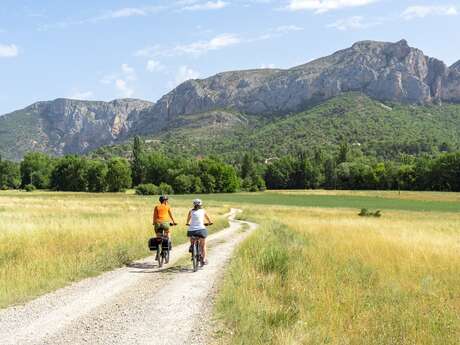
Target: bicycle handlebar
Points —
{"points": [[205, 224]]}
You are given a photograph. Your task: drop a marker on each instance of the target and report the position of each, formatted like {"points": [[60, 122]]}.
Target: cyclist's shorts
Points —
{"points": [[160, 227], [203, 233]]}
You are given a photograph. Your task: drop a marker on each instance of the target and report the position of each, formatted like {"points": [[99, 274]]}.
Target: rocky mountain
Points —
{"points": [[384, 71], [387, 72], [67, 126]]}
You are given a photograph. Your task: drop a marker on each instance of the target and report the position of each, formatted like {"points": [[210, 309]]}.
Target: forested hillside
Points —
{"points": [[384, 131]]}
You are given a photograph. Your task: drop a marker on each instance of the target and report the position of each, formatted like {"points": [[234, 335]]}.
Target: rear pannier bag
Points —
{"points": [[166, 244], [153, 243]]}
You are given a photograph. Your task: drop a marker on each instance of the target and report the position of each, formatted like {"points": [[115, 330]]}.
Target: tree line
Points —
{"points": [[350, 169], [154, 173]]}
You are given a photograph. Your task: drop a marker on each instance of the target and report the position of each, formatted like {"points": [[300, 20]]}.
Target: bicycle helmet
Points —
{"points": [[163, 198], [197, 202]]}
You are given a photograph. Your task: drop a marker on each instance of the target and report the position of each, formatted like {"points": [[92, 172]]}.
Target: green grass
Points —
{"points": [[328, 276], [335, 201], [49, 239]]}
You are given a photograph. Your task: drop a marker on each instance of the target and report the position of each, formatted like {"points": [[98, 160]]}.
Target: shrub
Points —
{"points": [[147, 189], [29, 188], [366, 213], [165, 188]]}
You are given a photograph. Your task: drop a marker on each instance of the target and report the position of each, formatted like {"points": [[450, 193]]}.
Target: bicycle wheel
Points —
{"points": [[166, 256], [195, 254], [159, 256]]}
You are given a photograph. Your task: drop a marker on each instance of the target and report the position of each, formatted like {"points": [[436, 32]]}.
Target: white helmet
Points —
{"points": [[197, 202]]}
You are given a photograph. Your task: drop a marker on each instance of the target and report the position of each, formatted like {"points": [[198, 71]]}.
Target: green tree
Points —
{"points": [[97, 176], [118, 175], [247, 166], [279, 172], [36, 169], [9, 175], [447, 171], [138, 165], [69, 174], [344, 151]]}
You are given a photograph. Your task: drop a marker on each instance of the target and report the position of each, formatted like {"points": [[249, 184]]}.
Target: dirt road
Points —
{"points": [[140, 304]]}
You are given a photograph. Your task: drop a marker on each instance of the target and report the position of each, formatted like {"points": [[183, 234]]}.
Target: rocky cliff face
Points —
{"points": [[68, 126], [384, 71]]}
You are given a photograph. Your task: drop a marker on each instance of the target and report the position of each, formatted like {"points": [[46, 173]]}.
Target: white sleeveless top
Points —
{"points": [[197, 220]]}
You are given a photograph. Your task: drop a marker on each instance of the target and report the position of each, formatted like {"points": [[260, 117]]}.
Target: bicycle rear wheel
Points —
{"points": [[159, 256], [195, 254]]}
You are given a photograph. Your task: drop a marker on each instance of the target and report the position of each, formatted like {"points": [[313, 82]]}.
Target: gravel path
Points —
{"points": [[140, 304]]}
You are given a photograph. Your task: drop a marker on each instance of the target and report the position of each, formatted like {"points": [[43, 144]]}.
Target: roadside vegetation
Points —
{"points": [[48, 240], [327, 276]]}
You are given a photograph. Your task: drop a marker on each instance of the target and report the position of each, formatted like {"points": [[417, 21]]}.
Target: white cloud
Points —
{"points": [[269, 65], [194, 48], [125, 13], [321, 6], [204, 6], [123, 88], [82, 95], [128, 12], [353, 23], [107, 15], [185, 73], [128, 72], [154, 66], [8, 50], [421, 11], [201, 47], [121, 80], [284, 29]]}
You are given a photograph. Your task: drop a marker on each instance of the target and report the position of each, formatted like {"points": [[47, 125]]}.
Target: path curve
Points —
{"points": [[140, 304]]}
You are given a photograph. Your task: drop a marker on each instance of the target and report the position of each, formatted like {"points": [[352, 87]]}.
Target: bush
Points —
{"points": [[29, 188], [165, 188], [147, 189], [366, 213]]}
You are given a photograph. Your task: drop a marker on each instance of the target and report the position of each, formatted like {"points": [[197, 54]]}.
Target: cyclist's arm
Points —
{"points": [[189, 217], [171, 216], [155, 215], [208, 219]]}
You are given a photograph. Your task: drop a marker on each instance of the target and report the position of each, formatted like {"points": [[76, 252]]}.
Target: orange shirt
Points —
{"points": [[161, 213]]}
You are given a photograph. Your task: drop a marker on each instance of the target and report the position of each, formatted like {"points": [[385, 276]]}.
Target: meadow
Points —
{"points": [[324, 275], [313, 273], [49, 239]]}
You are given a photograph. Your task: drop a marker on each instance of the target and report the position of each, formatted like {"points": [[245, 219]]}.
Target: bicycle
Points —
{"points": [[197, 257], [162, 245]]}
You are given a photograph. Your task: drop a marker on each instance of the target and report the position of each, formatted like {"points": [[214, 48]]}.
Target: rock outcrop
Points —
{"points": [[393, 72], [384, 71], [68, 126]]}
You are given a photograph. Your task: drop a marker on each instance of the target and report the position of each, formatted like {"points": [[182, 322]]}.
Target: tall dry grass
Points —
{"points": [[327, 276], [50, 239]]}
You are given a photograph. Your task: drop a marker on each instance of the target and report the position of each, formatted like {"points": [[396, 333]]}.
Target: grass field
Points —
{"points": [[408, 201], [50, 239], [314, 275]]}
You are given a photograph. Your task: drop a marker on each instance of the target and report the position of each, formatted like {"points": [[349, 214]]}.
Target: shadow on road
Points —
{"points": [[145, 267], [141, 265]]}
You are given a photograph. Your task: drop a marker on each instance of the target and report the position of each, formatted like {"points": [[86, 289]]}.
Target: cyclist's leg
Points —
{"points": [[203, 248]]}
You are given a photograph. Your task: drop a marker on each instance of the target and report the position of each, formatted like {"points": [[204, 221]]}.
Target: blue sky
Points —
{"points": [[104, 50]]}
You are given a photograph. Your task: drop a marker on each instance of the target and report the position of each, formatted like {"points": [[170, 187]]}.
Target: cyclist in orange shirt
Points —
{"points": [[163, 217]]}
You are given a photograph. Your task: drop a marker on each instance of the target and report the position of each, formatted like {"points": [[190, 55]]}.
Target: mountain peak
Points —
{"points": [[384, 71]]}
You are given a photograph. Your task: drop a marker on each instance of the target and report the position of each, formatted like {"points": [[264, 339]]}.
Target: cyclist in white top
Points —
{"points": [[196, 225]]}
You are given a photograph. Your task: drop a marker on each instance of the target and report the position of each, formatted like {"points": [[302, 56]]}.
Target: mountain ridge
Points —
{"points": [[384, 71]]}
